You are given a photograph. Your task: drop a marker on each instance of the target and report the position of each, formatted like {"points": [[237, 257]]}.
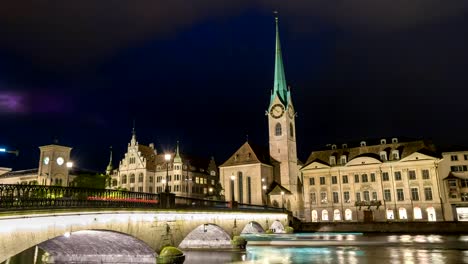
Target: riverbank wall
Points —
{"points": [[387, 227]]}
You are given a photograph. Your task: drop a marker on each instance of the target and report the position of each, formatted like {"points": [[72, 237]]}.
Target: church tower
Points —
{"points": [[281, 125]]}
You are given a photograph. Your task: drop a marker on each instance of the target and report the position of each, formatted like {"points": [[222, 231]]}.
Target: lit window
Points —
{"points": [[417, 213], [363, 143], [343, 159], [332, 160], [323, 197], [402, 213], [395, 155]]}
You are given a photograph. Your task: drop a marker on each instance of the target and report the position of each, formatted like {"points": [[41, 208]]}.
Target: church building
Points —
{"points": [[257, 175]]}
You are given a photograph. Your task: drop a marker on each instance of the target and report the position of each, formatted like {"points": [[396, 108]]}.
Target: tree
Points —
{"points": [[96, 181]]}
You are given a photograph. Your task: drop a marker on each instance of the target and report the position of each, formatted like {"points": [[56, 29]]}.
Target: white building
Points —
{"points": [[144, 170]]}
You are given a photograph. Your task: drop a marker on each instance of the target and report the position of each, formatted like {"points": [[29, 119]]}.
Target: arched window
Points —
{"points": [[291, 130], [402, 213], [336, 215], [124, 179], [431, 215], [390, 215], [114, 182], [278, 131], [314, 216], [417, 214], [140, 177], [324, 215], [348, 215]]}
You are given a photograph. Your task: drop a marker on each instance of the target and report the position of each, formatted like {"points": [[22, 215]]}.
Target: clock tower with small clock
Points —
{"points": [[282, 131], [52, 165]]}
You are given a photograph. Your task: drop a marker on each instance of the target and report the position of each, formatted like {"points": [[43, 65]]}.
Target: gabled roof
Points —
{"points": [[249, 154], [276, 189]]}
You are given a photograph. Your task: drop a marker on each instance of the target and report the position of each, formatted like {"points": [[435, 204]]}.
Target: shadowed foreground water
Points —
{"points": [[343, 248]]}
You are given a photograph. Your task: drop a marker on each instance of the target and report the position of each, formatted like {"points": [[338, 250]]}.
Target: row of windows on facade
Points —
{"points": [[455, 157], [414, 192], [383, 157], [132, 160], [279, 130], [175, 188], [454, 191], [177, 177], [240, 188], [364, 177], [363, 143], [417, 214]]}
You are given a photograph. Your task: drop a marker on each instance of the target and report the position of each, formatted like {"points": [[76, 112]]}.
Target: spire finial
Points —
{"points": [[177, 157], [109, 166], [133, 129]]}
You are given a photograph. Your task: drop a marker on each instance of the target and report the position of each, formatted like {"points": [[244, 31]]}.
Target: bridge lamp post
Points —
{"points": [[264, 193], [16, 152], [233, 178], [164, 183], [167, 157], [69, 166]]}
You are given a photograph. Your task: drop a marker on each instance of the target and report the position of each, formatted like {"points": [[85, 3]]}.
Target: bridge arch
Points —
{"points": [[277, 227], [96, 246], [207, 236], [253, 228]]}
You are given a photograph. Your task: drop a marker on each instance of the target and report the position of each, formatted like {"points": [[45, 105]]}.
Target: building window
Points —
{"points": [[363, 143], [345, 178], [366, 196], [313, 198], [400, 195], [374, 196], [417, 213], [464, 197], [383, 156], [465, 156], [311, 181], [334, 180], [395, 155], [333, 146], [150, 189], [358, 197], [132, 189], [335, 197], [372, 177], [394, 140], [343, 159], [412, 175], [425, 174], [132, 178], [402, 213], [124, 179], [151, 179], [140, 177], [249, 191], [385, 176], [356, 178], [464, 183], [459, 168], [346, 197], [414, 194], [332, 160], [240, 187], [387, 195], [324, 215], [140, 188], [323, 197], [364, 178], [278, 131], [428, 193], [383, 142], [322, 180], [454, 158], [291, 130], [114, 182], [397, 175]]}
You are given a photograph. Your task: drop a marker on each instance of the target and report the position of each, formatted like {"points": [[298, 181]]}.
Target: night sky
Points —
{"points": [[201, 72]]}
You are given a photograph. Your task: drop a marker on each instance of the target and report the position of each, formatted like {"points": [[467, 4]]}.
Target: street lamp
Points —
{"points": [[164, 183], [232, 187], [282, 199], [264, 193], [69, 166], [16, 152], [167, 157]]}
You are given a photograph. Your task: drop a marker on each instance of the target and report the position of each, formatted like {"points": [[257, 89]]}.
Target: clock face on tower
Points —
{"points": [[46, 160], [60, 161], [277, 111]]}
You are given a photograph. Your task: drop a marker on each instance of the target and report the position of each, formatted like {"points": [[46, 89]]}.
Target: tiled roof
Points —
{"points": [[249, 154], [404, 149]]}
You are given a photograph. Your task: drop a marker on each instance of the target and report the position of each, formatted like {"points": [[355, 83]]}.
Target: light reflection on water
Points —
{"points": [[344, 249]]}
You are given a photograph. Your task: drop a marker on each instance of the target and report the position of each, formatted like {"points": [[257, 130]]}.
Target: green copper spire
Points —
{"points": [[177, 157], [279, 86]]}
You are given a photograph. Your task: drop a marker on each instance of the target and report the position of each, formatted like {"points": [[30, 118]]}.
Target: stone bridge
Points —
{"points": [[182, 228]]}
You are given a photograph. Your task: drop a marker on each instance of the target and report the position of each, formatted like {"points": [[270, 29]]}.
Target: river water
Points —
{"points": [[342, 248]]}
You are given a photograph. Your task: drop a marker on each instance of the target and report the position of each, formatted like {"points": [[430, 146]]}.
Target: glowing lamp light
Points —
{"points": [[69, 164], [2, 149], [163, 181], [167, 157], [233, 177], [264, 187], [67, 234]]}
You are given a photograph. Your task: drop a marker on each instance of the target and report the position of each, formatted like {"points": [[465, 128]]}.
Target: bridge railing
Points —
{"points": [[18, 196], [25, 197]]}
